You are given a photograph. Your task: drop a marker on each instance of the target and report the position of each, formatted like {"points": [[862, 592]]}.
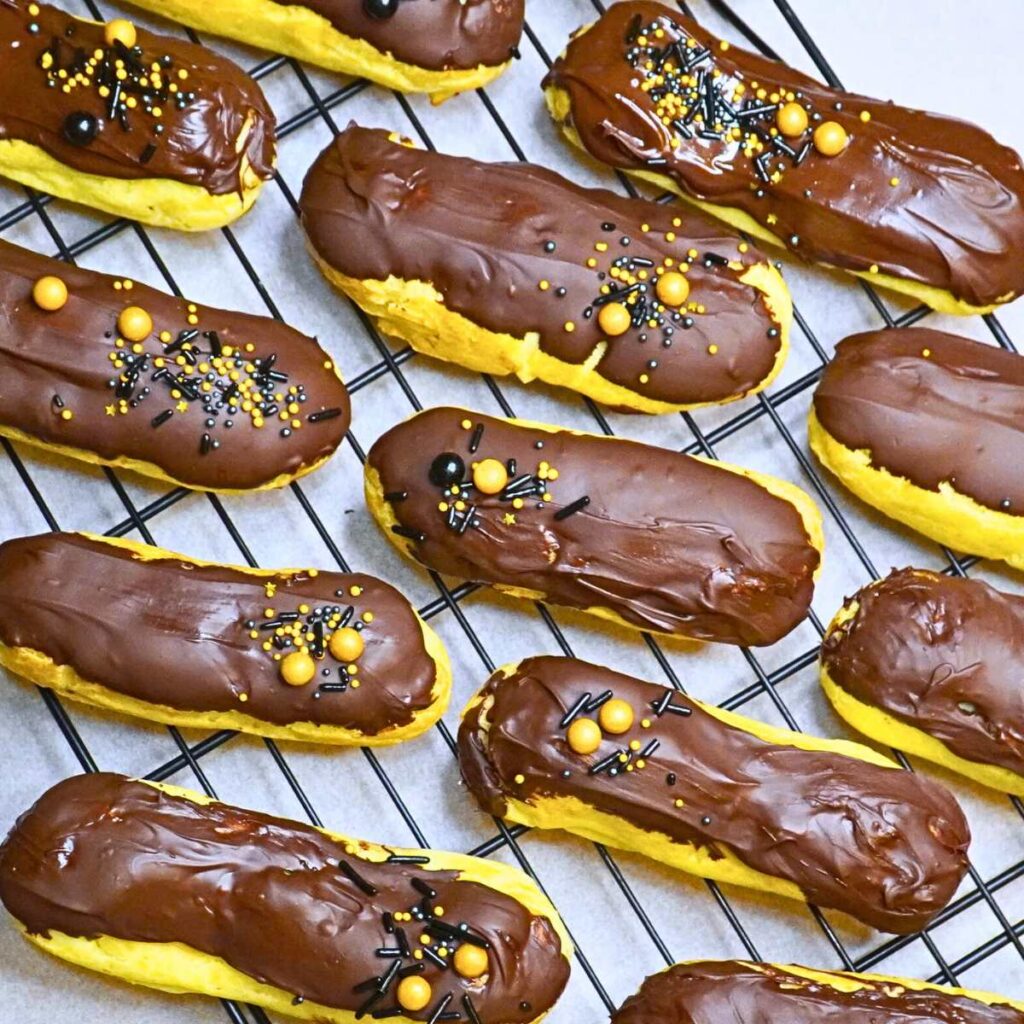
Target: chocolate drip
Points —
{"points": [[507, 246], [942, 654], [708, 991], [67, 354], [265, 894], [175, 633], [666, 541], [441, 35], [886, 846], [916, 195], [932, 407], [198, 142]]}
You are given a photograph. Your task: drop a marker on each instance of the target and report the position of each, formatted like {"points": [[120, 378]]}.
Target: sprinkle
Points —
{"points": [[651, 747], [600, 700], [393, 496], [322, 415], [440, 1008], [471, 1013], [604, 764], [409, 532], [574, 711], [438, 961], [573, 507], [423, 888], [389, 975], [407, 858], [356, 879], [474, 441]]}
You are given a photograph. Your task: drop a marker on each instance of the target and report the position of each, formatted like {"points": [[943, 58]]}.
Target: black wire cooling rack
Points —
{"points": [[766, 407]]}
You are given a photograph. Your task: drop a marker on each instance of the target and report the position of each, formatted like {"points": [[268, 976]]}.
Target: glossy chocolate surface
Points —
{"points": [[884, 845], [734, 992], [917, 195], [263, 893], [665, 541], [943, 654], [508, 246], [441, 35], [175, 633], [196, 139], [57, 362], [931, 407]]}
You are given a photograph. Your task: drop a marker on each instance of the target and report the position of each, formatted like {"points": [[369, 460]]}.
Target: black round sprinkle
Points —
{"points": [[666, 342], [652, 364], [1005, 503], [607, 226], [538, 444], [838, 105], [380, 8], [229, 424], [687, 322], [447, 469], [549, 246], [671, 778], [80, 128], [566, 773], [286, 432], [624, 240], [560, 292], [706, 820]]}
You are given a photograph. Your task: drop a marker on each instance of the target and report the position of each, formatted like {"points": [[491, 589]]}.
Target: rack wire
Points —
{"points": [[767, 409]]}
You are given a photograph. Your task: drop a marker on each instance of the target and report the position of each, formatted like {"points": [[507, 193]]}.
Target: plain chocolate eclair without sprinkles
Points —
{"points": [[933, 664], [928, 427], [741, 992]]}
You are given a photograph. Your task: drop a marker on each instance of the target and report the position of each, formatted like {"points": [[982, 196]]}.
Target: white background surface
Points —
{"points": [[956, 58]]}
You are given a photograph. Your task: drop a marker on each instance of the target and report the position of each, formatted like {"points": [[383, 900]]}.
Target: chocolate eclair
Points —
{"points": [[292, 654], [557, 743], [928, 427], [439, 47], [135, 124], [645, 537], [510, 268], [916, 202], [168, 889], [740, 992], [112, 372], [932, 664]]}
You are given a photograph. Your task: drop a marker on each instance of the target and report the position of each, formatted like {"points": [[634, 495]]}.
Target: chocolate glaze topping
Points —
{"points": [[263, 893], [945, 655], [508, 245], [52, 363], [715, 992], [886, 846], [441, 35], [666, 541], [955, 414], [917, 195], [194, 140], [175, 633]]}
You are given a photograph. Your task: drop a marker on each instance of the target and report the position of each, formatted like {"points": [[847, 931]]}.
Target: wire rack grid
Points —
{"points": [[610, 901]]}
